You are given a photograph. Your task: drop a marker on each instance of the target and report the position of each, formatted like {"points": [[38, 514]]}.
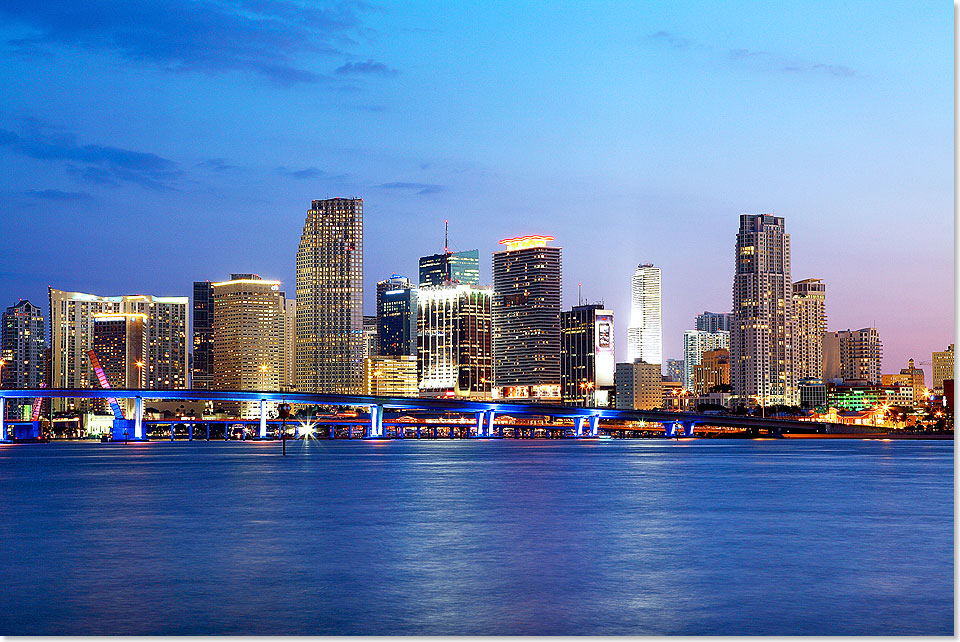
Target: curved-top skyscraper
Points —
{"points": [[645, 332]]}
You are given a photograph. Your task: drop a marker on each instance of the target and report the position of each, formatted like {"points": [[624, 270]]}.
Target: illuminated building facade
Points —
{"points": [[390, 376], [645, 332], [72, 330], [453, 341], [714, 321], [761, 338], [713, 370], [942, 364], [587, 363], [455, 267], [852, 355], [118, 340], [289, 381], [916, 380], [674, 369], [248, 325], [201, 376], [526, 319], [371, 341], [810, 324], [397, 316], [695, 343], [813, 394], [639, 386], [23, 346], [330, 298]]}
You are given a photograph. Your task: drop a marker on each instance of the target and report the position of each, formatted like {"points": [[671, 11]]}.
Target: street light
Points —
{"points": [[139, 365]]}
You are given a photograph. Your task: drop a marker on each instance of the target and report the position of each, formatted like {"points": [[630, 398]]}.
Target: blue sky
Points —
{"points": [[148, 145]]}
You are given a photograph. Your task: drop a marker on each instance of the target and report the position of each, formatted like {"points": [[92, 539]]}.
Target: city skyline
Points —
{"points": [[667, 176]]}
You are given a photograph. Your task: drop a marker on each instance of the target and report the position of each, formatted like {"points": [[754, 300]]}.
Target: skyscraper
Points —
{"points": [[202, 375], [330, 298], [397, 316], [526, 319], [714, 321], [644, 334], [674, 370], [761, 348], [453, 341], [289, 381], [942, 363], [587, 363], [695, 343], [119, 341], [71, 330], [22, 347], [852, 355], [248, 325], [810, 315], [457, 267], [370, 346]]}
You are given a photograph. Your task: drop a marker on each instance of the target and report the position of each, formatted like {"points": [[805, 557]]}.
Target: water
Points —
{"points": [[494, 537]]}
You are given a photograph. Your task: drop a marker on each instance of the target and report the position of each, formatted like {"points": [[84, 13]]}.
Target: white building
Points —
{"points": [[644, 334], [695, 343], [810, 314]]}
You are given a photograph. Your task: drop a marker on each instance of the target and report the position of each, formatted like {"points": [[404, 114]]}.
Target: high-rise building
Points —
{"points": [[23, 343], [453, 341], [119, 341], [371, 342], [810, 323], [714, 321], [639, 386], [392, 376], [248, 324], [852, 355], [587, 363], [695, 343], [289, 381], [761, 348], [201, 376], [330, 298], [713, 370], [526, 319], [645, 334], [916, 381], [674, 369], [71, 330], [942, 364], [397, 316], [455, 267]]}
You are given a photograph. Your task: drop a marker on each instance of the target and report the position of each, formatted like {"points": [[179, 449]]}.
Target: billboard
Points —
{"points": [[603, 340]]}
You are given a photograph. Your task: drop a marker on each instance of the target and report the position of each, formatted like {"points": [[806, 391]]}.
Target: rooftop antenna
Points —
{"points": [[579, 293], [446, 249]]}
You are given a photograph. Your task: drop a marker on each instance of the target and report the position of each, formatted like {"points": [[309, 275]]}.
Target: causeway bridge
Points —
{"points": [[585, 421]]}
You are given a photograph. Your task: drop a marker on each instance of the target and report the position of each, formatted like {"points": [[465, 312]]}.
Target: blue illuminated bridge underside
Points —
{"points": [[484, 410]]}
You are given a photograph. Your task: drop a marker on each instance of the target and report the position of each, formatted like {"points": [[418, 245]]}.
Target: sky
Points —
{"points": [[147, 145]]}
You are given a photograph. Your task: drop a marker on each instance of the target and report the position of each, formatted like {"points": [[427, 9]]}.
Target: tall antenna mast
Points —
{"points": [[446, 250], [579, 293]]}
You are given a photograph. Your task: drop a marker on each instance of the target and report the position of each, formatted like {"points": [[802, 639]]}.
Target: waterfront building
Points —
{"points": [[813, 394], [714, 321], [397, 316], [526, 319], [587, 363], [639, 386], [674, 396], [371, 344], [394, 376], [288, 381], [854, 396], [695, 343], [645, 332], [942, 364], [712, 371], [71, 329], [810, 315], [454, 353], [119, 341], [455, 267], [915, 381], [248, 345], [22, 347], [674, 369], [329, 298], [852, 355], [201, 369], [761, 349]]}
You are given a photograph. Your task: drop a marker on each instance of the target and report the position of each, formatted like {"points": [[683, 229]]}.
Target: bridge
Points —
{"points": [[586, 421]]}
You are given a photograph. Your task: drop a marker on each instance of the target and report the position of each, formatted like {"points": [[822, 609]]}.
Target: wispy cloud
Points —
{"points": [[56, 195], [217, 165], [267, 37], [419, 188], [367, 68], [307, 173], [763, 60], [100, 164]]}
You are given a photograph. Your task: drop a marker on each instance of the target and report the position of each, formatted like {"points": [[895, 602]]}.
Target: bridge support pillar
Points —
{"points": [[190, 428], [481, 416], [490, 415], [137, 418], [3, 426], [263, 419], [208, 431], [578, 426], [418, 431], [375, 430], [688, 428], [594, 426], [451, 432]]}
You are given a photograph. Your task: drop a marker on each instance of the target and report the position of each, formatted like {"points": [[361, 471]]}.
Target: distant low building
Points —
{"points": [[392, 376], [639, 386]]}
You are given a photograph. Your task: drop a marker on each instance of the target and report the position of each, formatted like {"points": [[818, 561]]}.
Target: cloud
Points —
{"points": [[368, 68], [56, 195], [100, 164], [668, 38], [307, 173], [419, 188], [267, 37], [217, 165]]}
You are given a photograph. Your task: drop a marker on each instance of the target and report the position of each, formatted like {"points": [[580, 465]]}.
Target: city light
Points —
{"points": [[525, 242]]}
